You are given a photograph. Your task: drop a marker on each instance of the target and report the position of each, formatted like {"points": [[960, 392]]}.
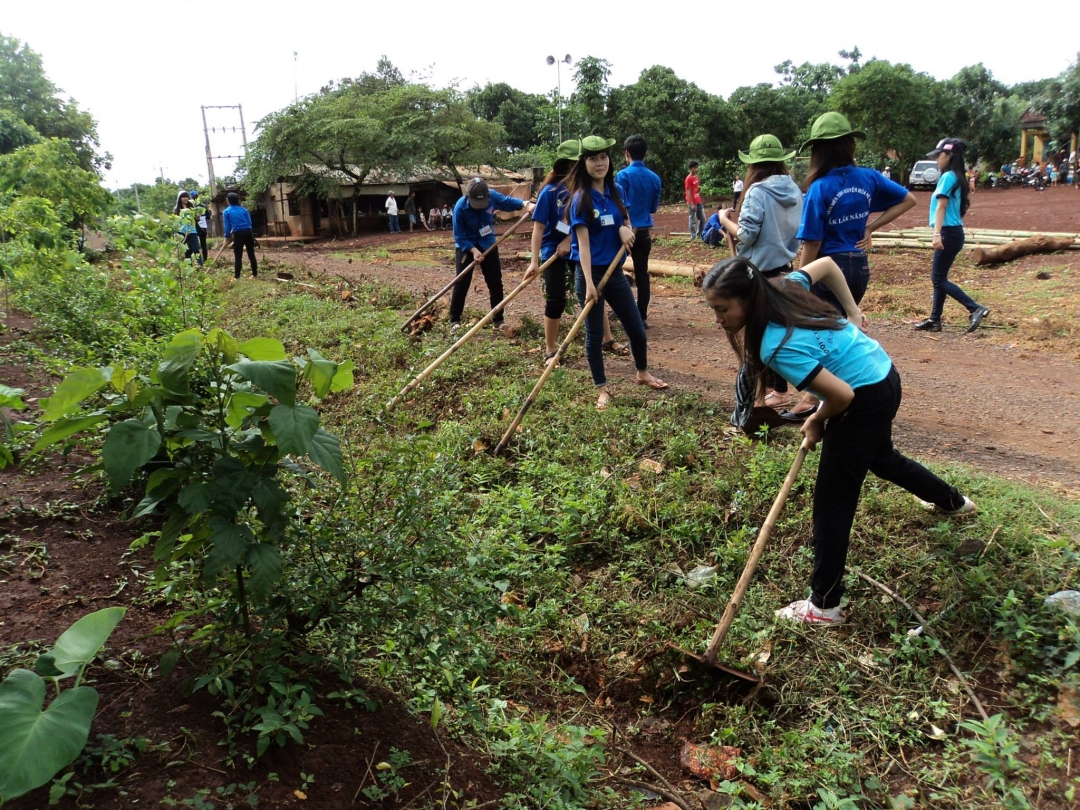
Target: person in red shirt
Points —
{"points": [[694, 207]]}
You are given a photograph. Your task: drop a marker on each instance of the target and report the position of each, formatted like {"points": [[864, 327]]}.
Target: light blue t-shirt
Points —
{"points": [[846, 353], [949, 188]]}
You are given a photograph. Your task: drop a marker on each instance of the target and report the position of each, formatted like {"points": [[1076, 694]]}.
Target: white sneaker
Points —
{"points": [[455, 327], [966, 508], [807, 612]]}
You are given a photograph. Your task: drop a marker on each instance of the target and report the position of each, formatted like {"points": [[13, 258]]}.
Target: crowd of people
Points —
{"points": [[788, 298]]}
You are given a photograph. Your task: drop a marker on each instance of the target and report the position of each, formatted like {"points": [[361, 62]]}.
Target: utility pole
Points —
{"points": [[209, 157], [243, 132], [295, 82], [138, 205]]}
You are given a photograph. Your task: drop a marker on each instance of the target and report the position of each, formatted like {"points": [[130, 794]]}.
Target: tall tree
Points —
{"points": [[900, 110], [28, 94], [518, 112], [1060, 102], [50, 170], [591, 93]]}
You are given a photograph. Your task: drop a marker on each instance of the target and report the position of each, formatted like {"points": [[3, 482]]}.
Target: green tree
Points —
{"points": [[591, 77], [1060, 102], [985, 119], [27, 93], [678, 119], [899, 109], [782, 111], [517, 112], [50, 170]]}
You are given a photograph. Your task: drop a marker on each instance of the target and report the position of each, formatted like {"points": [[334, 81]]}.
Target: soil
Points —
{"points": [[1007, 409]]}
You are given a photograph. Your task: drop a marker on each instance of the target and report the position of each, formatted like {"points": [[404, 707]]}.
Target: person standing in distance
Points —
{"points": [[474, 233], [200, 222], [694, 207], [392, 213], [410, 210], [737, 186], [187, 213], [947, 208], [237, 223], [639, 187]]}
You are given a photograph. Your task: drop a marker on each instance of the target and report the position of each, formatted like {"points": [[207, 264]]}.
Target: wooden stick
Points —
{"points": [[461, 275], [755, 555], [423, 375], [554, 361], [217, 255], [929, 634], [663, 793]]}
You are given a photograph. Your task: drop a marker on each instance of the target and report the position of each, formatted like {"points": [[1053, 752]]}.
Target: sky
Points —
{"points": [[145, 69]]}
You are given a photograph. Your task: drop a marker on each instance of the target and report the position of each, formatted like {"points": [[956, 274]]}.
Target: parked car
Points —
{"points": [[924, 174]]}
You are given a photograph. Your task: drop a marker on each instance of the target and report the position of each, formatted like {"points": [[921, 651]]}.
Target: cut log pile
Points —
{"points": [[976, 238]]}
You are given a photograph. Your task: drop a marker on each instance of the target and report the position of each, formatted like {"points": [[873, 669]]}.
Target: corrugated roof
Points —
{"points": [[419, 175]]}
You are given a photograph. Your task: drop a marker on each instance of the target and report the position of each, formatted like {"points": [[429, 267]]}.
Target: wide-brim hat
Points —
{"points": [[766, 149], [829, 126], [594, 144], [569, 150]]}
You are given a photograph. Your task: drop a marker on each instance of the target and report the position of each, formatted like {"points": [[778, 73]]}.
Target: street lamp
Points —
{"points": [[551, 60]]}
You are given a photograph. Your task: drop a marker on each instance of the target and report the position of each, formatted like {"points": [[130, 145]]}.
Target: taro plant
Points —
{"points": [[37, 742], [10, 398], [211, 429]]}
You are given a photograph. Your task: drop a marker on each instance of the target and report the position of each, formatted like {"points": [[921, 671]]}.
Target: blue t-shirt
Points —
{"points": [[846, 353], [949, 188], [839, 204], [713, 222], [604, 240], [475, 227], [639, 187], [549, 210], [235, 218]]}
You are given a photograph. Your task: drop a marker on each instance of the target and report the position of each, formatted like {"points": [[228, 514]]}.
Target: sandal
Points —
{"points": [[604, 405], [547, 358], [655, 384], [774, 399], [614, 347]]}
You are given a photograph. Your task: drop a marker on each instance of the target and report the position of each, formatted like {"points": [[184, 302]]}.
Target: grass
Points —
{"points": [[550, 582]]}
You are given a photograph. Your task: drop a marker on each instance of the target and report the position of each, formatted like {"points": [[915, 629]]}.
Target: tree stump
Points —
{"points": [[1021, 247]]}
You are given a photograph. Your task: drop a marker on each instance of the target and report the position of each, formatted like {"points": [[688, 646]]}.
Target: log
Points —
{"points": [[1021, 247]]}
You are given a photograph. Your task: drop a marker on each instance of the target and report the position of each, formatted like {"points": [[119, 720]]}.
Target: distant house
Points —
{"points": [[287, 212]]}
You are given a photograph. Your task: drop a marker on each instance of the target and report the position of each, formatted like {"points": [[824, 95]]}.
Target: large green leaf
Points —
{"points": [[78, 645], [224, 342], [325, 451], [177, 360], [241, 404], [343, 377], [64, 428], [294, 427], [75, 387], [129, 445], [35, 745], [11, 398], [277, 378], [320, 372], [263, 349], [264, 562], [230, 543]]}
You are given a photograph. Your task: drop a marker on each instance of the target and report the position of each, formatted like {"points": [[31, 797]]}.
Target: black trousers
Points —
{"points": [[241, 239], [492, 270], [856, 442], [202, 241], [639, 254]]}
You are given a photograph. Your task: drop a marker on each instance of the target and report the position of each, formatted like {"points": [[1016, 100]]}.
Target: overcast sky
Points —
{"points": [[144, 69]]}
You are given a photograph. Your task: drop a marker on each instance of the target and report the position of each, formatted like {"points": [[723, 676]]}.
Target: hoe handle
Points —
{"points": [[755, 555]]}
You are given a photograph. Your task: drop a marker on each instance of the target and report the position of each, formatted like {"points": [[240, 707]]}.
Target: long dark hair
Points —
{"points": [[578, 183], [179, 198], [956, 166], [755, 173], [828, 155], [784, 303], [558, 172]]}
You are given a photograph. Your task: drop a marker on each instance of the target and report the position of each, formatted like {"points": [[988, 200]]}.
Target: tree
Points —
{"points": [[517, 112], [783, 111], [591, 77], [900, 110], [50, 170], [984, 118], [1060, 101], [28, 94], [677, 118]]}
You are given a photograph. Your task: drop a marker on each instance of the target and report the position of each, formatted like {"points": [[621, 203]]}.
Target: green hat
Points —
{"points": [[830, 126], [594, 144], [765, 148], [568, 150]]}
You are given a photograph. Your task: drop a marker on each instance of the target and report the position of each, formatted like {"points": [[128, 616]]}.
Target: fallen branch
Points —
{"points": [[1022, 247], [929, 634], [674, 798]]}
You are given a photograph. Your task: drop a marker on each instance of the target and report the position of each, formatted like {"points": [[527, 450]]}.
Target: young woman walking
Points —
{"points": [[600, 227], [836, 220], [189, 231], [765, 225], [783, 327], [947, 209]]}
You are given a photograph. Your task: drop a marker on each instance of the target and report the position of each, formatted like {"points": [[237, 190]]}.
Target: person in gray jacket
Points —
{"points": [[765, 224]]}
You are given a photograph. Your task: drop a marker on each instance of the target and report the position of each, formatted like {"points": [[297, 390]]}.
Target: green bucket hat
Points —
{"points": [[830, 126], [594, 144], [568, 150], [765, 148]]}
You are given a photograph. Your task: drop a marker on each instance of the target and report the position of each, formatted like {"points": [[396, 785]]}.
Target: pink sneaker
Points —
{"points": [[807, 612]]}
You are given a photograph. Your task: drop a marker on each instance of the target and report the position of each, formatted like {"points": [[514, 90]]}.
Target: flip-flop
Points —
{"points": [[775, 400], [655, 384], [800, 416], [547, 359], [603, 406], [614, 347]]}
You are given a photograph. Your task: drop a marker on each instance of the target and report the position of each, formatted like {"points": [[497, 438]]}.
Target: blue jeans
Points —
{"points": [[952, 239], [617, 295], [395, 226], [856, 269], [191, 242], [696, 211]]}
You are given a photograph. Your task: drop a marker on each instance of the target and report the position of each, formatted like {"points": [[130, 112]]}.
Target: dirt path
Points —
{"points": [[1006, 410]]}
